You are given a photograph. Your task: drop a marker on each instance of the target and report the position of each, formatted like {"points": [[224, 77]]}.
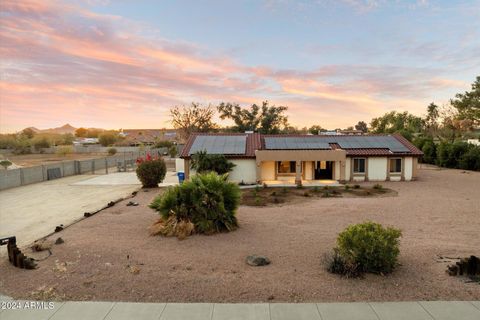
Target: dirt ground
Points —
{"points": [[110, 256], [30, 160]]}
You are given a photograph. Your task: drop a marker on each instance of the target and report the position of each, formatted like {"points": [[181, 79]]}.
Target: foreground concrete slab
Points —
{"points": [[125, 178], [83, 310], [191, 311], [400, 311], [241, 311], [340, 311], [476, 304], [128, 311], [32, 212], [454, 309], [287, 311], [30, 314]]}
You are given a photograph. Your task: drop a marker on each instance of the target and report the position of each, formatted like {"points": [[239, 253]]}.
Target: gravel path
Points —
{"points": [[439, 215]]}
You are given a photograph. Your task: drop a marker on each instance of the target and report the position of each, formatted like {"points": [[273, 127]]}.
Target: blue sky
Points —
{"points": [[332, 62]]}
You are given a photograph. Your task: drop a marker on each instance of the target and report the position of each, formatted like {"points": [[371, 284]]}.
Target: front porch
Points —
{"points": [[305, 183], [306, 167]]}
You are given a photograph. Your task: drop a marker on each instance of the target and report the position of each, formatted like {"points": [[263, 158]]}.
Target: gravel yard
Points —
{"points": [[110, 256]]}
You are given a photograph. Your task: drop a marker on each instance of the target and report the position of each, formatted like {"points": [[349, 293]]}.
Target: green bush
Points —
{"points": [[374, 248], [5, 164], [429, 150], [471, 159], [40, 142], [378, 186], [206, 200], [339, 265], [151, 172], [203, 162], [64, 150], [356, 186], [107, 138], [112, 151]]}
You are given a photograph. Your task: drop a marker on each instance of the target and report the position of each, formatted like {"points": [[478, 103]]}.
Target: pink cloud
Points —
{"points": [[63, 63]]}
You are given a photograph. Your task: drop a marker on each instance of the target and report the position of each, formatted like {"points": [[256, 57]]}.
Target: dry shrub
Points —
{"points": [[172, 228]]}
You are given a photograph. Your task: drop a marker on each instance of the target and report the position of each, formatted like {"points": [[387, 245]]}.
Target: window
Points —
{"points": [[396, 165], [358, 165], [286, 166]]}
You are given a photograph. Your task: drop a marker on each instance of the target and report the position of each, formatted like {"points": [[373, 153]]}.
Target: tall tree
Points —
{"points": [[316, 129], [362, 126], [397, 122], [192, 118], [431, 119], [81, 132], [468, 103], [264, 119]]}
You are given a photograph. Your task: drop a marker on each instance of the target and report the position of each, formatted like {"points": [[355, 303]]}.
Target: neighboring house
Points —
{"points": [[294, 158], [135, 137]]}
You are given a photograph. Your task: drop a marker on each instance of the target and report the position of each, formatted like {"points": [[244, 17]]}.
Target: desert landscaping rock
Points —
{"points": [[257, 261], [59, 241]]}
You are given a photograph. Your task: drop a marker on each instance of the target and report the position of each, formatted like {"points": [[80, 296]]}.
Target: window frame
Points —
{"points": [[277, 166], [364, 166], [390, 166]]}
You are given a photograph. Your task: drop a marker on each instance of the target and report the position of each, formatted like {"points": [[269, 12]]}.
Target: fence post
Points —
{"points": [[22, 178], [93, 166], [106, 166], [43, 173]]}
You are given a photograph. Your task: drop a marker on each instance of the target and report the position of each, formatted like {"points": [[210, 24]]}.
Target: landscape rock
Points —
{"points": [[59, 240], [131, 203], [42, 245], [59, 228], [257, 261]]}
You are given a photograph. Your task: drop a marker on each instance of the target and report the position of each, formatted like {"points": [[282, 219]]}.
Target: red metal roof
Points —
{"points": [[256, 141]]}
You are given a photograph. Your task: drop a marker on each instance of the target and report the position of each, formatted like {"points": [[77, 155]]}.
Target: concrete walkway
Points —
{"points": [[125, 178], [423, 310]]}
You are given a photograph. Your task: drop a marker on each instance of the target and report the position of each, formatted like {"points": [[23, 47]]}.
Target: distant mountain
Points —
{"points": [[67, 128]]}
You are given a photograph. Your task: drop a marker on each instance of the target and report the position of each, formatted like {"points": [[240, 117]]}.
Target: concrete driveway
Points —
{"points": [[31, 212]]}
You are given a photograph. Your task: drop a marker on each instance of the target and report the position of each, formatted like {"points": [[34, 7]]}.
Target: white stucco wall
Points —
{"points": [[408, 168], [244, 170], [377, 169], [179, 164], [268, 170]]}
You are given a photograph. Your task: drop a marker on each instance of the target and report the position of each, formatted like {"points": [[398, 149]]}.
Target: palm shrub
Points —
{"points": [[151, 172], [370, 246], [206, 201]]}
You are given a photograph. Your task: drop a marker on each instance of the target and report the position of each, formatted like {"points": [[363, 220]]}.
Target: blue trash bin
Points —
{"points": [[181, 176]]}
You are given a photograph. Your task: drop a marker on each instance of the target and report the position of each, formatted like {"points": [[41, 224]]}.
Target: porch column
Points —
{"points": [[298, 172], [186, 168], [258, 170], [342, 171]]}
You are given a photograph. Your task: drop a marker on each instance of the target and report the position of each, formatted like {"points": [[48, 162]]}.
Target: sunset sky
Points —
{"points": [[124, 63]]}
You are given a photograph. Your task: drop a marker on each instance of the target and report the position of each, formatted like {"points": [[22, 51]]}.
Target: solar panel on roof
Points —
{"points": [[296, 143], [219, 144], [372, 142]]}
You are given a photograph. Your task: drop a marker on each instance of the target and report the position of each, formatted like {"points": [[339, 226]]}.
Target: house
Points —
{"points": [[135, 137], [294, 158]]}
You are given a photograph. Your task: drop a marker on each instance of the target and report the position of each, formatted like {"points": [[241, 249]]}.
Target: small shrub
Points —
{"points": [[112, 151], [326, 194], [316, 189], [299, 186], [274, 193], [307, 194], [276, 200], [64, 150], [339, 265], [356, 186], [5, 164], [326, 188], [347, 187], [378, 186], [172, 151], [203, 162], [151, 172], [265, 186], [374, 248], [206, 201], [284, 190], [257, 188], [258, 201]]}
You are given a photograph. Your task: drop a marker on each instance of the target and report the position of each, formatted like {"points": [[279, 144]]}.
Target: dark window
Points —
{"points": [[396, 165], [286, 166], [358, 165]]}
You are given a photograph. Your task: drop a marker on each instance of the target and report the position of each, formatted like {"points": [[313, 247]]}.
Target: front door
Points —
{"points": [[324, 170]]}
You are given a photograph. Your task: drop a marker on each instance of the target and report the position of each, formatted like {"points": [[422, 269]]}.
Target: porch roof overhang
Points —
{"points": [[300, 155]]}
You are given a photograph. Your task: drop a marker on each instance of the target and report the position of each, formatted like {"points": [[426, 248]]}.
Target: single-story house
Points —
{"points": [[294, 158]]}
